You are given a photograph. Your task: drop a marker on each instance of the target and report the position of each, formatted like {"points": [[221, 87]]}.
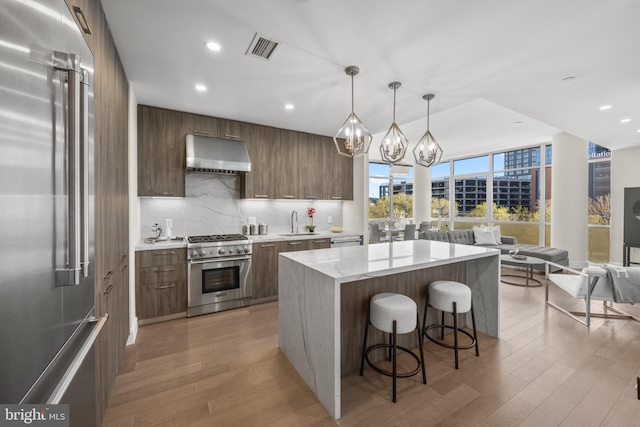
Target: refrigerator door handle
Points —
{"points": [[71, 274], [84, 162], [75, 364]]}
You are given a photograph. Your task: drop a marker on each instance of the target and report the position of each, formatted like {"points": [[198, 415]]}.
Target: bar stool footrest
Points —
{"points": [[387, 373], [440, 343]]}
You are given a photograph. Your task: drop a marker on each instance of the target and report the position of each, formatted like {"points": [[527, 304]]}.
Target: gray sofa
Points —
{"points": [[508, 243]]}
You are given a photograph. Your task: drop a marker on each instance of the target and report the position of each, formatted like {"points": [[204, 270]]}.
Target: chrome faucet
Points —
{"points": [[296, 215], [157, 229]]}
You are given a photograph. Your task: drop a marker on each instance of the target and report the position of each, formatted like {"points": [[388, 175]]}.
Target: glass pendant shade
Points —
{"points": [[394, 144], [427, 151], [352, 139]]}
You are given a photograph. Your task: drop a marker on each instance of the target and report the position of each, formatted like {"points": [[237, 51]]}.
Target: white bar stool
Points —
{"points": [[451, 297], [393, 314]]}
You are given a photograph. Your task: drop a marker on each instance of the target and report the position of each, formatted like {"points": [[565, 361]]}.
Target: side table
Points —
{"points": [[528, 264]]}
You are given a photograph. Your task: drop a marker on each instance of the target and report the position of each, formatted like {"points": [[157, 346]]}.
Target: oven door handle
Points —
{"points": [[206, 261]]}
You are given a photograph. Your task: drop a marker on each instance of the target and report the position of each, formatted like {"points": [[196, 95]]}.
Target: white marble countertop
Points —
{"points": [[275, 237], [351, 263]]}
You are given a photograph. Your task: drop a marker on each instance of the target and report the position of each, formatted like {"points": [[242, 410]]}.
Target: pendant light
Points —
{"points": [[427, 152], [394, 144], [352, 139]]}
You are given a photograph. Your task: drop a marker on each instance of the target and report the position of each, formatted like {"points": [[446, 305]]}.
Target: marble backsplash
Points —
{"points": [[213, 206]]}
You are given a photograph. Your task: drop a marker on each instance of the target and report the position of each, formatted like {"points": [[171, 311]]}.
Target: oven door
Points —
{"points": [[217, 281]]}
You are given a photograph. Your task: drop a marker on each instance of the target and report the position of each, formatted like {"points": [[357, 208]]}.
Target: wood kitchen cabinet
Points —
{"points": [[261, 145], [264, 264], [111, 266], [318, 244], [161, 152], [310, 177], [161, 283], [337, 173], [285, 164], [264, 271], [286, 168]]}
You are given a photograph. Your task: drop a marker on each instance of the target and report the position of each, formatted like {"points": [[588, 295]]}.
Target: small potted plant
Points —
{"points": [[310, 227]]}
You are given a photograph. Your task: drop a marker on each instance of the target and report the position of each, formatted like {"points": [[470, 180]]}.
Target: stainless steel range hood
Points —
{"points": [[217, 155]]}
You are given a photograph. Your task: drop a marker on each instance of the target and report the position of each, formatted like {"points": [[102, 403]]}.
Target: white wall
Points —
{"points": [[624, 173], [134, 212], [569, 193]]}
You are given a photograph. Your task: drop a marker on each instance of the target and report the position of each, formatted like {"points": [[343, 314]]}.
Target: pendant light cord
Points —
{"points": [[428, 113], [394, 103], [352, 102]]}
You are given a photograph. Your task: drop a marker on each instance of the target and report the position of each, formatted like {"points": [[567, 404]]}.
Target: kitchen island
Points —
{"points": [[324, 294]]}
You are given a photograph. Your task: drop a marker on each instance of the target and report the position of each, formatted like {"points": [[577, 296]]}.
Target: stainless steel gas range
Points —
{"points": [[218, 273]]}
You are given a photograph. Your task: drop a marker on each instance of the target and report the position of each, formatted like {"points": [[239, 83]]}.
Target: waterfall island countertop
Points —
{"points": [[324, 294]]}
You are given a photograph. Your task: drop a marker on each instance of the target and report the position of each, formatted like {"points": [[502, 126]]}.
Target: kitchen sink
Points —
{"points": [[297, 234]]}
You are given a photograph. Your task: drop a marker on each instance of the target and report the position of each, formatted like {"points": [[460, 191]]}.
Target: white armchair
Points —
{"points": [[589, 284]]}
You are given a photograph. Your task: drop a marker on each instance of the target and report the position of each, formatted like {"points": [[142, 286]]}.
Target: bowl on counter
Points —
{"points": [[337, 229]]}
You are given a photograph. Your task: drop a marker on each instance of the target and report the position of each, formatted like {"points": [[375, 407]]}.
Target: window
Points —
{"points": [[390, 197]]}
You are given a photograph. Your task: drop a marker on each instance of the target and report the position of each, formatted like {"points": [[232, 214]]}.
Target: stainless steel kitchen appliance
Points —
{"points": [[341, 241], [218, 273], [47, 329]]}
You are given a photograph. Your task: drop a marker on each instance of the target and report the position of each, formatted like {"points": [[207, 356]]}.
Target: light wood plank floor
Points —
{"points": [[225, 369]]}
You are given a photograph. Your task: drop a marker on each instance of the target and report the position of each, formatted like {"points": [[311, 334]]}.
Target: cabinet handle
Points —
{"points": [[260, 196], [226, 135], [201, 132], [336, 198], [295, 243], [173, 285], [319, 241], [165, 253], [310, 197], [287, 197], [267, 246], [82, 19], [167, 269], [109, 288]]}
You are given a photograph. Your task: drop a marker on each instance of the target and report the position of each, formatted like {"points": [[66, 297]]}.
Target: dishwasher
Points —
{"points": [[342, 241]]}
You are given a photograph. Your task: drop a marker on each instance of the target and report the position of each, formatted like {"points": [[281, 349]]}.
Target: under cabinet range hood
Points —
{"points": [[217, 155]]}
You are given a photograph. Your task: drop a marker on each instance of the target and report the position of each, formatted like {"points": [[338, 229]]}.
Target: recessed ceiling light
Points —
{"points": [[605, 107], [569, 78], [213, 46], [517, 123], [288, 106], [625, 120], [201, 88]]}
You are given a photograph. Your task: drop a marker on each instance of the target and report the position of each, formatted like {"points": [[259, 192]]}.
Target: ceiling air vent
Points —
{"points": [[262, 47]]}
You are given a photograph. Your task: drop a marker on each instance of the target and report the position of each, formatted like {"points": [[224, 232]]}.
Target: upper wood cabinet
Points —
{"points": [[161, 152], [260, 183], [285, 164], [337, 173], [311, 173]]}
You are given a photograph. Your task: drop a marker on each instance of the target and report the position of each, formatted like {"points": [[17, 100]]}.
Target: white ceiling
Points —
{"points": [[490, 63]]}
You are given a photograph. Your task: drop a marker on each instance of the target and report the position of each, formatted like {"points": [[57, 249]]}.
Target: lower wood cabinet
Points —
{"points": [[264, 264], [161, 283]]}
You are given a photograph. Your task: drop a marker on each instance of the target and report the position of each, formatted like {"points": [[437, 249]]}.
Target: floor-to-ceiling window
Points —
{"points": [[390, 196], [599, 203], [513, 189]]}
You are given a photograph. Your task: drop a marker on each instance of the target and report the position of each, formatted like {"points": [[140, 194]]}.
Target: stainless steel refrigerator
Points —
{"points": [[47, 327]]}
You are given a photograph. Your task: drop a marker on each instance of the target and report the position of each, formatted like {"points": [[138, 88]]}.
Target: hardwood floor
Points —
{"points": [[225, 369]]}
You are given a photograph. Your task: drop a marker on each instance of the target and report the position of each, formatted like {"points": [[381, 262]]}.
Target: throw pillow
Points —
{"points": [[496, 232], [483, 237]]}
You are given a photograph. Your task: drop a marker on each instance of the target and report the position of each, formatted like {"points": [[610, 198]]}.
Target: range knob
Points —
{"points": [[221, 252], [239, 251], [194, 254], [246, 250], [202, 252]]}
